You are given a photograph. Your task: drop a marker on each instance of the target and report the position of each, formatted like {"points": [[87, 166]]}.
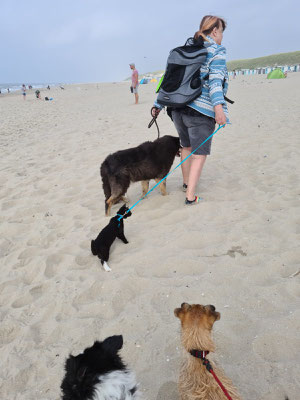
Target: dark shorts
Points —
{"points": [[193, 129]]}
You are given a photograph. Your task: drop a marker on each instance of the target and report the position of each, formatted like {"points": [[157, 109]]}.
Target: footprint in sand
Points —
{"points": [[8, 332], [22, 301], [5, 247], [127, 295], [82, 262], [52, 265], [8, 204], [92, 294], [162, 304], [27, 253], [34, 293], [37, 291]]}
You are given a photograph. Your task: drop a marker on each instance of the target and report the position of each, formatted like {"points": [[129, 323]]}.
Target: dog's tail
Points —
{"points": [[93, 248], [105, 183]]}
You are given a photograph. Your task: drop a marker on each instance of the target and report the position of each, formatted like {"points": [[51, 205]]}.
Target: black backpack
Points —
{"points": [[181, 83]]}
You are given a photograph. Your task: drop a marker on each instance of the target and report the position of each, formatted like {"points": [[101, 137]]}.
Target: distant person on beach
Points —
{"points": [[38, 94], [134, 82], [8, 90], [234, 74], [48, 87], [195, 122], [24, 91]]}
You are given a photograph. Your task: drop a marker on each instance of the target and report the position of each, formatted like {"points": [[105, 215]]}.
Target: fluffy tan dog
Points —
{"points": [[195, 381]]}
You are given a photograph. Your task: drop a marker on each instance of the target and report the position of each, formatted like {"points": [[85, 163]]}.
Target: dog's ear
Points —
{"points": [[70, 364], [179, 312], [113, 344], [74, 366], [123, 209]]}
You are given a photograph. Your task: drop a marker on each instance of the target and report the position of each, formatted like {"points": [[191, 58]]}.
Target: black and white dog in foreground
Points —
{"points": [[115, 229], [99, 374]]}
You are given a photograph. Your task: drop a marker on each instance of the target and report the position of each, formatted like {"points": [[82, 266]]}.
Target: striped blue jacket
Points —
{"points": [[215, 87]]}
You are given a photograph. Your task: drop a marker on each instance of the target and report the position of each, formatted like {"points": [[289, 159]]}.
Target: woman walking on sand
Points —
{"points": [[196, 121]]}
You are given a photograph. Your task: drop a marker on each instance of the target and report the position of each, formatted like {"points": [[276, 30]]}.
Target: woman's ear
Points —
{"points": [[214, 32]]}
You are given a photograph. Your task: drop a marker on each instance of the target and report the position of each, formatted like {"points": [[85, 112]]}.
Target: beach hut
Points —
{"points": [[276, 74]]}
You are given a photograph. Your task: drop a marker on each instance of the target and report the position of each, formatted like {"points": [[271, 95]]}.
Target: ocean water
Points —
{"points": [[17, 86]]}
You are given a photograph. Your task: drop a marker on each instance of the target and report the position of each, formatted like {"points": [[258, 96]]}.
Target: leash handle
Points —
{"points": [[153, 120]]}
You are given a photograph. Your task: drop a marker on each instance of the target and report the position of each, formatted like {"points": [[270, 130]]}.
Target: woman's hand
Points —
{"points": [[220, 116]]}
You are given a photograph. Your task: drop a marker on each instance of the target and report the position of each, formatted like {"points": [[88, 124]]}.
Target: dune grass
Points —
{"points": [[273, 60]]}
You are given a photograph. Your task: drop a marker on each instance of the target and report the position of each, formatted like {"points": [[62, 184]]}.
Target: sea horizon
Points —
{"points": [[15, 86]]}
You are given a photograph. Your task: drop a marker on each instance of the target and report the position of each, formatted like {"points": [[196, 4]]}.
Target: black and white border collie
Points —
{"points": [[99, 374]]}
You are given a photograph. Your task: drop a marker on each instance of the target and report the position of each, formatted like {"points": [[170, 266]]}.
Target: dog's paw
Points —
{"points": [[106, 267]]}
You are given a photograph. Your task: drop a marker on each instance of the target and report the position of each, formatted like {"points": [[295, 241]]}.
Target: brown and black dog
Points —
{"points": [[149, 160], [195, 381]]}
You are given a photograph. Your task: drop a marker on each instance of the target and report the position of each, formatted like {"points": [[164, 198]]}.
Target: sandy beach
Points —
{"points": [[237, 250]]}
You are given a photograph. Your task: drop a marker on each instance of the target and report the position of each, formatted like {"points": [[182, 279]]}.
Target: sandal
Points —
{"points": [[192, 202]]}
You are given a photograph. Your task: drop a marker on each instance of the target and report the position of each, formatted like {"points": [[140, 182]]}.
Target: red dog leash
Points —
{"points": [[202, 355]]}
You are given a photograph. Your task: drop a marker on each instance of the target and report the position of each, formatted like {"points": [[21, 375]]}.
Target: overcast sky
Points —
{"points": [[95, 40]]}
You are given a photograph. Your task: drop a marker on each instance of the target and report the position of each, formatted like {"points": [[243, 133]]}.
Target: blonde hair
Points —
{"points": [[207, 25]]}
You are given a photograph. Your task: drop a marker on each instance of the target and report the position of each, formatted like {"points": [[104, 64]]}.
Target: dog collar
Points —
{"points": [[199, 353], [121, 216], [202, 355]]}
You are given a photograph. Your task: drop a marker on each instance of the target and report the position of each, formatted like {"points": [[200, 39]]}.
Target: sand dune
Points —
{"points": [[238, 249]]}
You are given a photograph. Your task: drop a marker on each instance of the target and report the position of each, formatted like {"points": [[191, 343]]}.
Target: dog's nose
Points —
{"points": [[213, 308]]}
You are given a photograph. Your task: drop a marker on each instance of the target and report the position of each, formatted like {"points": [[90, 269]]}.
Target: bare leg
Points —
{"points": [[136, 98], [162, 186], [185, 167], [197, 164]]}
